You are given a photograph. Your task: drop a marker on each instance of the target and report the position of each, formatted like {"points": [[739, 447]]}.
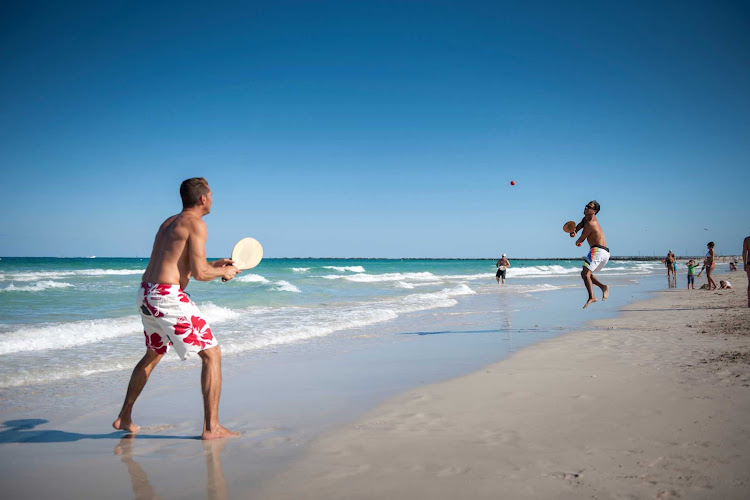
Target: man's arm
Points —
{"points": [[581, 224], [199, 266], [584, 235]]}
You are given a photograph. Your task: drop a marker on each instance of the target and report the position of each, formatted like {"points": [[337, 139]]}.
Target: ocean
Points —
{"points": [[72, 319]]}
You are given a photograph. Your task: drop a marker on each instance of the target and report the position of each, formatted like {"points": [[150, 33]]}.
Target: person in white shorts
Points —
{"points": [[170, 318], [598, 255]]}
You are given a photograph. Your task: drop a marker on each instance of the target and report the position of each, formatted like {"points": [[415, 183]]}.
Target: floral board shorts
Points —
{"points": [[170, 318]]}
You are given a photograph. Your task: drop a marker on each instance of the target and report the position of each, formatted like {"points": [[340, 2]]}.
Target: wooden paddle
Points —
{"points": [[246, 254], [570, 228]]}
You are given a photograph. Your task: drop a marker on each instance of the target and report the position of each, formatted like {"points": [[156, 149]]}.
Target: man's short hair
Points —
{"points": [[191, 191], [711, 244], [595, 204]]}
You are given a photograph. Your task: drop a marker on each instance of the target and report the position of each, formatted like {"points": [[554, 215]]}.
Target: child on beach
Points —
{"points": [[724, 285], [691, 265]]}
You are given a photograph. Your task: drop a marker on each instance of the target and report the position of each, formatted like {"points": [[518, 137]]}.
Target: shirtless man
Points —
{"points": [[671, 263], [746, 264], [598, 254], [502, 265], [170, 319]]}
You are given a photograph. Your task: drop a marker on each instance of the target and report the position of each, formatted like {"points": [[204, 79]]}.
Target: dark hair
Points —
{"points": [[191, 191], [711, 244], [595, 204]]}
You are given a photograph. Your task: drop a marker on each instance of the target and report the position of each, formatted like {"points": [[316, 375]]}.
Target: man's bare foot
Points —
{"points": [[219, 433], [125, 425], [605, 292], [590, 301]]}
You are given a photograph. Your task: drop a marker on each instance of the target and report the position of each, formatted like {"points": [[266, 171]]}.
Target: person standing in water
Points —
{"points": [[598, 255], [502, 265], [170, 318]]}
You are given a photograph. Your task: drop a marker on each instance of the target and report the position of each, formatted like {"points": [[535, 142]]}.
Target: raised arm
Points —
{"points": [[199, 266]]}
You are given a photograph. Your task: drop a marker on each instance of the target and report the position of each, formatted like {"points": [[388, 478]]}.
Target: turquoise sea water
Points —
{"points": [[63, 319]]}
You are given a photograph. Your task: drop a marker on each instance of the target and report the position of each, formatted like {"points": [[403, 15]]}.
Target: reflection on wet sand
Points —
{"points": [[216, 485]]}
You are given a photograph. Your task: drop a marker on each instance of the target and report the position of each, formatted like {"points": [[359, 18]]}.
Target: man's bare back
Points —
{"points": [[170, 258]]}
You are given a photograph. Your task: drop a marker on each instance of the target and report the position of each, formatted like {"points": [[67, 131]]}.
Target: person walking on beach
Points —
{"points": [[710, 264], [598, 254], [671, 263], [502, 265], [746, 264], [170, 318]]}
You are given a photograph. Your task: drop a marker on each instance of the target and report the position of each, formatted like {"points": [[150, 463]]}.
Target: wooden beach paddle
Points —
{"points": [[246, 254], [570, 228]]}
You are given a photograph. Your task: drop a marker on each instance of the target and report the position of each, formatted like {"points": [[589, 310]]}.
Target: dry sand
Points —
{"points": [[652, 404]]}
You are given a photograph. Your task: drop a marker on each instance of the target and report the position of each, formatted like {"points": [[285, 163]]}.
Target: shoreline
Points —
{"points": [[333, 393], [650, 404]]}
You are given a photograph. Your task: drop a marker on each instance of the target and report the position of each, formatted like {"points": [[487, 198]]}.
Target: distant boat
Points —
{"points": [[92, 256]]}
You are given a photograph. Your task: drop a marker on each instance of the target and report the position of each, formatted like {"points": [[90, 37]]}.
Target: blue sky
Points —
{"points": [[375, 129]]}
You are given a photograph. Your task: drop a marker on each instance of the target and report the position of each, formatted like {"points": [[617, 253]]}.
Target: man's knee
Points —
{"points": [[585, 273], [211, 354]]}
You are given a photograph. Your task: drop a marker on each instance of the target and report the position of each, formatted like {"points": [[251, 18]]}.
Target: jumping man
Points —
{"points": [[598, 254]]}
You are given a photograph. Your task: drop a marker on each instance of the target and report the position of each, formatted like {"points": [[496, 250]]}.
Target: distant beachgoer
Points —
{"points": [[170, 318], [691, 265], [724, 285], [671, 263], [598, 254], [710, 264], [502, 265], [732, 266], [746, 264]]}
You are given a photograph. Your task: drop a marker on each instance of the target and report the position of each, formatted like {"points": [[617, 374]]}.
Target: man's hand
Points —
{"points": [[573, 235], [222, 262], [229, 272]]}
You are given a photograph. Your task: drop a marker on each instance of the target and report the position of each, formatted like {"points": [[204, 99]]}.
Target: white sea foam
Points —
{"points": [[404, 284], [65, 335], [251, 278], [354, 269], [301, 269], [376, 278], [36, 287], [47, 275], [47, 336], [217, 314], [294, 324], [285, 286]]}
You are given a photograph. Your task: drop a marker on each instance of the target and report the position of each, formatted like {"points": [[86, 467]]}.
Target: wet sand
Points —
{"points": [[651, 404]]}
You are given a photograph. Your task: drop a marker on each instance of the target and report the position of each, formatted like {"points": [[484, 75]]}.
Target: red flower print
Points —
{"points": [[183, 297], [196, 331], [155, 343], [161, 289]]}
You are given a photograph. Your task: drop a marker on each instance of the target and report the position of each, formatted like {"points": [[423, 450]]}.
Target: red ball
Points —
{"points": [[512, 183]]}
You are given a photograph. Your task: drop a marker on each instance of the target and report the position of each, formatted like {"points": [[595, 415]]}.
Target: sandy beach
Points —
{"points": [[651, 404]]}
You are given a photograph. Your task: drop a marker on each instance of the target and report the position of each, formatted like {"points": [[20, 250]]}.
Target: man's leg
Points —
{"points": [[138, 381], [211, 387], [747, 271], [604, 288], [586, 276]]}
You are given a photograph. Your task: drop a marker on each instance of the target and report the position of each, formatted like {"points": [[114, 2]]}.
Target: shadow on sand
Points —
{"points": [[22, 431]]}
